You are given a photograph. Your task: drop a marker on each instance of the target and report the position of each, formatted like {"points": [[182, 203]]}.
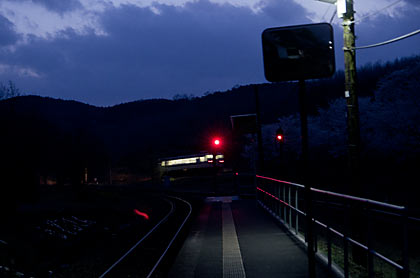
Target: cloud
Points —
{"points": [[414, 3], [199, 47], [19, 71], [58, 6], [192, 48], [8, 35], [36, 19]]}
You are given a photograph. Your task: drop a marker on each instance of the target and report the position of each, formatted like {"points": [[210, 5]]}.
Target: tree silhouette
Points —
{"points": [[8, 91]]}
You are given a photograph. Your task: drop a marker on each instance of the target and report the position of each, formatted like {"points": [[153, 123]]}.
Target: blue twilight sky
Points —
{"points": [[105, 52]]}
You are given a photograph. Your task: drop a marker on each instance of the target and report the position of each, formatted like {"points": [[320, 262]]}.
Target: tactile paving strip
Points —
{"points": [[232, 260]]}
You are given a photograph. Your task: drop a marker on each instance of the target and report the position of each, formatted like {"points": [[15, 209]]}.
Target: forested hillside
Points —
{"points": [[390, 136], [60, 138]]}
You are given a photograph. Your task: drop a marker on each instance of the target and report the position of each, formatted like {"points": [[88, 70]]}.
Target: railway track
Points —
{"points": [[148, 256]]}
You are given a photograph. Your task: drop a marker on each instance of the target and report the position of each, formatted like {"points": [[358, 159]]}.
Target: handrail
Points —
{"points": [[277, 211], [345, 196], [286, 182], [354, 198]]}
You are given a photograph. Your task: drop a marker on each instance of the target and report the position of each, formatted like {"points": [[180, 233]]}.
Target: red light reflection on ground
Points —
{"points": [[141, 214]]}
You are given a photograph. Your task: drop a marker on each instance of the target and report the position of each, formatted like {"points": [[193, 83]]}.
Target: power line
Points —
{"points": [[389, 41], [378, 11], [333, 16], [328, 9]]}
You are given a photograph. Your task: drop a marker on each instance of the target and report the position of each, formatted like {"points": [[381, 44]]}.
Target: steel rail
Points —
{"points": [[174, 237], [140, 241]]}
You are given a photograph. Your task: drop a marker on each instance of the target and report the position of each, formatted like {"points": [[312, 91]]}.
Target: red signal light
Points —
{"points": [[279, 135], [217, 142]]}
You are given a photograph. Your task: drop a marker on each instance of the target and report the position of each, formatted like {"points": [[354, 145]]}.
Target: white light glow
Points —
{"points": [[190, 160]]}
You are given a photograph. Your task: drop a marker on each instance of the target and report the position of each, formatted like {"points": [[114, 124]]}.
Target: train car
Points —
{"points": [[191, 164]]}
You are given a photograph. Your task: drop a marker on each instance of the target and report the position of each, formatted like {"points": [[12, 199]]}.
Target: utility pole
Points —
{"points": [[353, 124]]}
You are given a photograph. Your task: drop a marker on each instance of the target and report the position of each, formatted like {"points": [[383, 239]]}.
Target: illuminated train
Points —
{"points": [[190, 164]]}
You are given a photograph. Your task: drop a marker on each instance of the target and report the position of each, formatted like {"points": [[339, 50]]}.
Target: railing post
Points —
{"points": [[371, 270], [329, 249], [346, 257], [278, 203], [406, 256], [297, 213], [256, 190], [290, 209], [315, 236], [284, 206]]}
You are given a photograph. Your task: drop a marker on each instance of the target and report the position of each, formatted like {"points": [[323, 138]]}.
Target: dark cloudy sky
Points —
{"points": [[105, 52]]}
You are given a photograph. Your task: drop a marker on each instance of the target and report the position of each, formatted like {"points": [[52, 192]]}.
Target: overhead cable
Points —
{"points": [[333, 16], [378, 11], [328, 9], [389, 41]]}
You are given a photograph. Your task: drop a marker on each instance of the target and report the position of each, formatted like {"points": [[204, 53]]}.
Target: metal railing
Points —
{"points": [[282, 199]]}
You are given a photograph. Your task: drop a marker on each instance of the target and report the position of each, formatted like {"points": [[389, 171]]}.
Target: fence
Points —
{"points": [[284, 201]]}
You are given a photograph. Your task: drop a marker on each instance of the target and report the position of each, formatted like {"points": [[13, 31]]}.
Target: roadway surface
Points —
{"points": [[234, 238]]}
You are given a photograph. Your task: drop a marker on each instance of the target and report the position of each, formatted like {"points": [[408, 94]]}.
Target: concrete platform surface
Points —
{"points": [[235, 238]]}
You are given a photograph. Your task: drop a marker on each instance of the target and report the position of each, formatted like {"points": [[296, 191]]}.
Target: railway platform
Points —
{"points": [[232, 237]]}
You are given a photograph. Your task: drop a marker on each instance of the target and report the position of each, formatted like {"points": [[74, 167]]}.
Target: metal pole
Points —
{"points": [[215, 173], [284, 206], [297, 213], [290, 209], [329, 249], [406, 258], [371, 267], [304, 168], [259, 133], [346, 257]]}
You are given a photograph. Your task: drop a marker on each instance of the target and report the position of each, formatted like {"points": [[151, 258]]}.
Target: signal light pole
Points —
{"points": [[216, 144], [280, 140]]}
